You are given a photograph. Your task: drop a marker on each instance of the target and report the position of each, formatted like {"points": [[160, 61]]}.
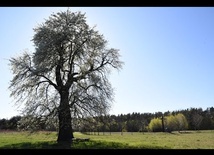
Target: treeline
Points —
{"points": [[189, 119]]}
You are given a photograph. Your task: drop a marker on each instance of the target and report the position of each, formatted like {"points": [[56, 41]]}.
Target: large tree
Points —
{"points": [[67, 75]]}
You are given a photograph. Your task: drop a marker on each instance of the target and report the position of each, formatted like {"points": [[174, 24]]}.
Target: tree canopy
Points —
{"points": [[67, 75]]}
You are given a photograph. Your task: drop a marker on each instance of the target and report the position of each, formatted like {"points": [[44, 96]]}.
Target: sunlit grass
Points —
{"points": [[175, 140], [147, 140]]}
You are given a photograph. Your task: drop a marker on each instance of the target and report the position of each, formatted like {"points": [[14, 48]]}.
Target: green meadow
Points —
{"points": [[126, 140]]}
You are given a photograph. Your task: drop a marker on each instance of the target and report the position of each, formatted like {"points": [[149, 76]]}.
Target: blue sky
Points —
{"points": [[168, 54]]}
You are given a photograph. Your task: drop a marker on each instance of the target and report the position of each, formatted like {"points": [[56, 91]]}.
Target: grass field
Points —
{"points": [[147, 140]]}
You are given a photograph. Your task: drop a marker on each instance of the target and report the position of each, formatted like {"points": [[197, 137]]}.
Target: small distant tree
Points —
{"points": [[143, 126], [181, 121], [3, 124], [67, 75], [170, 124], [112, 124], [196, 120], [176, 122], [155, 125]]}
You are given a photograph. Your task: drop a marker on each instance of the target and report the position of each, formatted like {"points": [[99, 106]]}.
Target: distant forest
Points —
{"points": [[194, 118]]}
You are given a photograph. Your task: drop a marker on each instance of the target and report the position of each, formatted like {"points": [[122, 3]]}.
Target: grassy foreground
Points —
{"points": [[147, 140]]}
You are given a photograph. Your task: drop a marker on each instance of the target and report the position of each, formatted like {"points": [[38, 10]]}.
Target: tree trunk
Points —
{"points": [[65, 133], [163, 128]]}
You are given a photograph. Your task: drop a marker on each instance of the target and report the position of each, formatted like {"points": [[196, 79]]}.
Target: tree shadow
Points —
{"points": [[76, 145], [38, 145]]}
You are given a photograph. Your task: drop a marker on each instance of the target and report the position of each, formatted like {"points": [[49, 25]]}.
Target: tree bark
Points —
{"points": [[163, 128], [65, 133]]}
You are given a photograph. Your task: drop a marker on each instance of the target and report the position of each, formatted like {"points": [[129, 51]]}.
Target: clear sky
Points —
{"points": [[168, 54]]}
